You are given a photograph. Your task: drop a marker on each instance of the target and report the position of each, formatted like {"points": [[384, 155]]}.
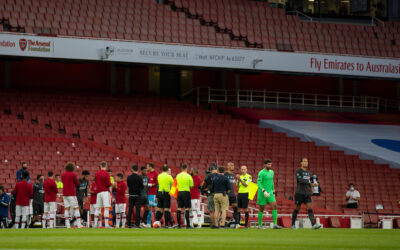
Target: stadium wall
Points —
{"points": [[94, 77]]}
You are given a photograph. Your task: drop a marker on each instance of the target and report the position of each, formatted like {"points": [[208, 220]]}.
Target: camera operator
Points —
{"points": [[207, 190]]}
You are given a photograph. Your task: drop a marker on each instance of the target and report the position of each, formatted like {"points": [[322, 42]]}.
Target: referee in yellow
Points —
{"points": [[243, 182], [163, 199], [184, 183]]}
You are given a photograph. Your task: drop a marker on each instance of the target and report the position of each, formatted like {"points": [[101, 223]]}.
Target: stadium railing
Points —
{"points": [[263, 98]]}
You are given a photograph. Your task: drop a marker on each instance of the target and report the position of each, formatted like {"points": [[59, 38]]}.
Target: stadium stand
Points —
{"points": [[166, 130], [215, 23]]}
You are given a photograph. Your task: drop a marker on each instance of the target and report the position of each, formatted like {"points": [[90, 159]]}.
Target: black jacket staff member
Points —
{"points": [[135, 185]]}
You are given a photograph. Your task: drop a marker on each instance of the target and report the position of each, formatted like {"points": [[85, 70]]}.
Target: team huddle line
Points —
{"points": [[153, 191]]}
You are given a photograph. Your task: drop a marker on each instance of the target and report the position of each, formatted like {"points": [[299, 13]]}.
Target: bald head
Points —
{"points": [[243, 169]]}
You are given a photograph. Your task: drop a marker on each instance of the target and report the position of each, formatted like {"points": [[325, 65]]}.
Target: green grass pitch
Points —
{"points": [[199, 239]]}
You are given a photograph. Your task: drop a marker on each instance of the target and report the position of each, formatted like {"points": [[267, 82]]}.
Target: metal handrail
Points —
{"points": [[300, 13], [263, 97], [373, 18]]}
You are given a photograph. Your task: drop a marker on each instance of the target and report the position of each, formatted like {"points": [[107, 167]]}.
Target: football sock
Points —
{"points": [[275, 216], [145, 215], [66, 216], [187, 216], [23, 222], [123, 218], [149, 216], [117, 220], [158, 216], [236, 215], [17, 220], [77, 215], [260, 218], [168, 218], [178, 217], [294, 217], [311, 216], [44, 221], [247, 218], [52, 220], [194, 220], [106, 216]]}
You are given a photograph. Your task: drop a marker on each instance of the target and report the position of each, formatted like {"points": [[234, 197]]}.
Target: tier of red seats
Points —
{"points": [[175, 132], [130, 20], [145, 20]]}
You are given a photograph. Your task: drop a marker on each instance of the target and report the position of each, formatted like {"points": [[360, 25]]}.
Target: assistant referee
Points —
{"points": [[184, 183]]}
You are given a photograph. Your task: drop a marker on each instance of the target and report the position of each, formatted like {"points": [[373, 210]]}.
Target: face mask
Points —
{"points": [[24, 168], [351, 188], [314, 176]]}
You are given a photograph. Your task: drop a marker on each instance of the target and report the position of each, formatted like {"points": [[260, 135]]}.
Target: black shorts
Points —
{"points": [[243, 200], [184, 200], [145, 201], [164, 200], [232, 199], [302, 198], [352, 205], [38, 208]]}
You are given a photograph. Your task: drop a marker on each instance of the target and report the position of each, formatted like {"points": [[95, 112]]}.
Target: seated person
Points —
{"points": [[352, 197]]}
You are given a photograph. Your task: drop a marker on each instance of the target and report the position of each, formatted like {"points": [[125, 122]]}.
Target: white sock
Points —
{"points": [[106, 222], [123, 220], [17, 220], [44, 221], [117, 220], [23, 222], [96, 217], [99, 224], [66, 216], [78, 217], [195, 217]]}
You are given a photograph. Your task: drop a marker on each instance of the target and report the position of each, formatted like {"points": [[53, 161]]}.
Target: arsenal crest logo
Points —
{"points": [[22, 44]]}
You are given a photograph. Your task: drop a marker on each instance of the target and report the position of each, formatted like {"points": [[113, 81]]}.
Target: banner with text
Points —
{"points": [[187, 55]]}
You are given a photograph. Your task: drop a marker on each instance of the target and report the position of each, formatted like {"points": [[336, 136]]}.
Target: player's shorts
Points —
{"points": [[120, 208], [37, 208], [210, 203], [70, 201], [262, 200], [232, 199], [301, 198], [50, 207], [243, 200], [103, 199], [221, 202], [152, 200], [145, 201], [164, 200], [184, 199], [195, 204], [93, 209], [21, 211]]}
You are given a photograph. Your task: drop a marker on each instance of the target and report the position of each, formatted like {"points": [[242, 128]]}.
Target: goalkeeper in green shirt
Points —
{"points": [[266, 193]]}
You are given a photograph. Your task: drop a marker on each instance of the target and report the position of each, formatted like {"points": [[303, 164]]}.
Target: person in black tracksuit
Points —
{"points": [[135, 186], [303, 193]]}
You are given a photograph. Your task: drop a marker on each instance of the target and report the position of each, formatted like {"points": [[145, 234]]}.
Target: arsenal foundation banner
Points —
{"points": [[196, 56]]}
